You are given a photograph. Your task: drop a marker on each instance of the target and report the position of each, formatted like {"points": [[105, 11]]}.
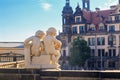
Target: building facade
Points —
{"points": [[11, 51], [101, 30]]}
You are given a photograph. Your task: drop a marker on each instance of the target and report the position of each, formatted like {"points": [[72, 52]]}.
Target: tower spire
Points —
{"points": [[67, 2]]}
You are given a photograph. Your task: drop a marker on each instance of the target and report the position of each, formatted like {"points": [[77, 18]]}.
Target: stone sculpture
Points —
{"points": [[52, 45], [42, 51]]}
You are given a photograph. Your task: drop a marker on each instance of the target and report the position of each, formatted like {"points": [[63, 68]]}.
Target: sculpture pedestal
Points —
{"points": [[41, 62]]}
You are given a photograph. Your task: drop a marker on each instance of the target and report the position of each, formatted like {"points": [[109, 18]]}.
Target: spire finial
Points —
{"points": [[67, 2]]}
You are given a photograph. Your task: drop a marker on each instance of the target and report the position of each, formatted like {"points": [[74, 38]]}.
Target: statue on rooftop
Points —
{"points": [[42, 51], [52, 45]]}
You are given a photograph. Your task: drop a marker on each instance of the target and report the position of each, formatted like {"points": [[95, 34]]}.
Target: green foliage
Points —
{"points": [[80, 52]]}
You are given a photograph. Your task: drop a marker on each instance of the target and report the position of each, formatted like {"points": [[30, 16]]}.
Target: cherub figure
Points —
{"points": [[35, 43], [52, 45]]}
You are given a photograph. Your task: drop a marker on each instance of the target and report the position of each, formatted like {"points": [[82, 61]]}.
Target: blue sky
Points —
{"points": [[20, 19]]}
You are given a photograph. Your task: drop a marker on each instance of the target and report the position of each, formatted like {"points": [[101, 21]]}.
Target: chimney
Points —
{"points": [[97, 9], [113, 7]]}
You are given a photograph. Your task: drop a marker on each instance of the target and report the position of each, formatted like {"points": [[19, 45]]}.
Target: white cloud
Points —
{"points": [[108, 4], [46, 6]]}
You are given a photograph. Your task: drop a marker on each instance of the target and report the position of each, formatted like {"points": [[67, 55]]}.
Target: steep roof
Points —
{"points": [[94, 17]]}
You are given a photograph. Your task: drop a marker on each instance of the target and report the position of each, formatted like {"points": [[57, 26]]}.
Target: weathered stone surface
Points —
{"points": [[37, 74]]}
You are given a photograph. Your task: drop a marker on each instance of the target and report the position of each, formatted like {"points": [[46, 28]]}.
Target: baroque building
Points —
{"points": [[101, 30]]}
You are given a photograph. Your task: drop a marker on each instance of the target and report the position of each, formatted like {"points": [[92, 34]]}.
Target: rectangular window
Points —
{"points": [[110, 52], [103, 40], [64, 53], [99, 52], [74, 30], [91, 41], [78, 20], [114, 52], [101, 28], [82, 29], [100, 41], [103, 52], [92, 52], [111, 28]]}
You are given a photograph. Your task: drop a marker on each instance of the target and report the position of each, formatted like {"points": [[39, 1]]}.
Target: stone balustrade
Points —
{"points": [[17, 64]]}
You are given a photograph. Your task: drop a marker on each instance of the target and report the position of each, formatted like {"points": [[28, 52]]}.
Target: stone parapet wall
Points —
{"points": [[37, 74]]}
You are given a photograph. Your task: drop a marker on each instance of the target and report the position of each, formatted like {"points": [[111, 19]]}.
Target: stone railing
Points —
{"points": [[17, 64], [37, 74]]}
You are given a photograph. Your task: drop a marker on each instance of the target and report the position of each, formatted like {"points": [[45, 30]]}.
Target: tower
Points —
{"points": [[86, 4], [67, 17]]}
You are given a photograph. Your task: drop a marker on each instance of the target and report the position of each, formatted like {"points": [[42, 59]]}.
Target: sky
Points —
{"points": [[20, 19]]}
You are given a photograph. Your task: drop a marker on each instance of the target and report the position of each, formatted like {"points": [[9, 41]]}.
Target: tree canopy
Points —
{"points": [[80, 52]]}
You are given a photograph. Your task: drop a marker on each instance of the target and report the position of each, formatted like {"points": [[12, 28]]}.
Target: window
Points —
{"points": [[64, 30], [103, 40], [92, 27], [112, 52], [91, 41], [100, 41], [117, 17], [101, 28], [111, 64], [82, 29], [101, 52], [74, 30], [78, 20], [92, 52], [111, 40], [64, 21], [111, 28]]}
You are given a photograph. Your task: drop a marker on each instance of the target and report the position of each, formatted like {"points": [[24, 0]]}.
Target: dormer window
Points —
{"points": [[78, 19], [92, 27], [101, 27]]}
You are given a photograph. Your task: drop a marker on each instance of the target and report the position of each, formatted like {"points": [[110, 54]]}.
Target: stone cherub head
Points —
{"points": [[40, 34], [52, 31]]}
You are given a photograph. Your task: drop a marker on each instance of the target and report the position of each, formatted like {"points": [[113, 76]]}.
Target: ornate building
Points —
{"points": [[101, 30]]}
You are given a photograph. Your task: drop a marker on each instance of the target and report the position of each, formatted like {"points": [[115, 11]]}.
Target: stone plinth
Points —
{"points": [[42, 62]]}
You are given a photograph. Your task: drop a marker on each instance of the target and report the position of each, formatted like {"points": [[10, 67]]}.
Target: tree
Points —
{"points": [[80, 52]]}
